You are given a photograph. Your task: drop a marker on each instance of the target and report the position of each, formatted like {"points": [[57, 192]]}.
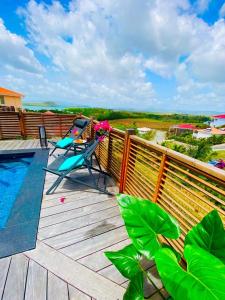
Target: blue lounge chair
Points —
{"points": [[63, 167], [67, 141]]}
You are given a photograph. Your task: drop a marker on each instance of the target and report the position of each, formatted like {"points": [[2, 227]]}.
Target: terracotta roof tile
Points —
{"points": [[6, 92]]}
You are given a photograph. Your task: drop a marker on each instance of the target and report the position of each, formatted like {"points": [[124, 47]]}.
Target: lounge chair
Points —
{"points": [[80, 125], [63, 167]]}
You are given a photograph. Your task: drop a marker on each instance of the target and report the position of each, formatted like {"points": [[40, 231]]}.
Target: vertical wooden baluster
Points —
{"points": [[109, 152], [126, 152], [60, 125], [161, 175], [22, 124]]}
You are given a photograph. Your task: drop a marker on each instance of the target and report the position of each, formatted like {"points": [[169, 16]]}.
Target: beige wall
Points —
{"points": [[13, 101]]}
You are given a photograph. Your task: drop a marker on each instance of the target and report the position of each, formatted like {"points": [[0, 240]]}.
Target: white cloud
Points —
{"points": [[99, 51], [202, 5], [14, 52], [222, 11], [193, 95], [208, 59]]}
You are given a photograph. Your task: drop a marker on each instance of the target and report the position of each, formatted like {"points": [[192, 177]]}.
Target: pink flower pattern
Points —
{"points": [[75, 131], [62, 199], [102, 129]]}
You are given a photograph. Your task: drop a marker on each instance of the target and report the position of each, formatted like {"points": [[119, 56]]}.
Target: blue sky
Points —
{"points": [[153, 55]]}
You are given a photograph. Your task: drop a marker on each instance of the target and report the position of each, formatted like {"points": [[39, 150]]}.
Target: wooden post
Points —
{"points": [[22, 124], [60, 125], [1, 134], [160, 177], [109, 158], [126, 151], [92, 132]]}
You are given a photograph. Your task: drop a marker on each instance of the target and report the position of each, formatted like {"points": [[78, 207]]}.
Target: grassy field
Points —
{"points": [[154, 124], [219, 154]]}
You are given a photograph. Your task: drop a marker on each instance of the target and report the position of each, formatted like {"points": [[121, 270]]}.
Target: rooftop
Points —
{"points": [[6, 92]]}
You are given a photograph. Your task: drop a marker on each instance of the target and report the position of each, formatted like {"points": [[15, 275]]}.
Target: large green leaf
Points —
{"points": [[144, 221], [204, 278], [209, 234], [126, 261], [135, 288]]}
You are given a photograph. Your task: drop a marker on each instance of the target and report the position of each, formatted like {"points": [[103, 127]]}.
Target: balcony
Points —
{"points": [[69, 261]]}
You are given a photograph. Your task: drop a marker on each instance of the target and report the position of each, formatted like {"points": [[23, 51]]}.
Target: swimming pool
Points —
{"points": [[21, 188], [12, 173]]}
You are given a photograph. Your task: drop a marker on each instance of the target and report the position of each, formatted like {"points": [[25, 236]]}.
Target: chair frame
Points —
{"points": [[70, 147], [87, 156]]}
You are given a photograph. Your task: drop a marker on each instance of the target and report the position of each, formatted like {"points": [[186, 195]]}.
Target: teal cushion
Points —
{"points": [[74, 161], [64, 142]]}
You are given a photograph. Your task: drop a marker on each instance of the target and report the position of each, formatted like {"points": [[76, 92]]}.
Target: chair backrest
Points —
{"points": [[80, 125]]}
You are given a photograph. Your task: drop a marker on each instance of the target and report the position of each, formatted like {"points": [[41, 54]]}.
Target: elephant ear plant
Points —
{"points": [[204, 252]]}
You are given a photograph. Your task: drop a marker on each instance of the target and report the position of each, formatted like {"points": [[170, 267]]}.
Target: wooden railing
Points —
{"points": [[18, 124], [185, 187]]}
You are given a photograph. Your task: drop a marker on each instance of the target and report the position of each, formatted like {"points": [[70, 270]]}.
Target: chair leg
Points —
{"points": [[92, 176], [52, 151], [96, 183], [100, 168], [55, 185], [66, 152]]}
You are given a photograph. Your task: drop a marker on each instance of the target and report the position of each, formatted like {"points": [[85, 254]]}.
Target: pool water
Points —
{"points": [[12, 173]]}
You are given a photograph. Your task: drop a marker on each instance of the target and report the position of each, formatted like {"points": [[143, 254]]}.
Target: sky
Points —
{"points": [[148, 55]]}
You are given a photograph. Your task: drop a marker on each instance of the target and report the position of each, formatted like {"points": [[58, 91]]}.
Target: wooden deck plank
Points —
{"points": [[75, 274], [57, 288], [4, 268], [69, 197], [36, 288], [113, 274], [16, 280], [73, 205], [75, 294], [84, 233], [97, 261], [76, 223], [95, 244], [78, 212]]}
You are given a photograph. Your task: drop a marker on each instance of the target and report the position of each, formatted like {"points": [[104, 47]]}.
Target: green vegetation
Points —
{"points": [[149, 136], [189, 139], [154, 124], [197, 148], [201, 151], [218, 154], [110, 114], [204, 252], [46, 103]]}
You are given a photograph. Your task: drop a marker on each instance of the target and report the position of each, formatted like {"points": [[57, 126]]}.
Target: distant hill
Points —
{"points": [[45, 103]]}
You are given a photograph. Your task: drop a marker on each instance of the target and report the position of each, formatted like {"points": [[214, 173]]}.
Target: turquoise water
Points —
{"points": [[12, 174], [44, 107]]}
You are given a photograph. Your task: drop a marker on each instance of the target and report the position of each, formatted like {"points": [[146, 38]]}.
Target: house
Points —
{"points": [[202, 133], [144, 130], [181, 128], [217, 121], [10, 100], [208, 132]]}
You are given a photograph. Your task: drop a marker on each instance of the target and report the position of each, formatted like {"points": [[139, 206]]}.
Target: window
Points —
{"points": [[2, 101]]}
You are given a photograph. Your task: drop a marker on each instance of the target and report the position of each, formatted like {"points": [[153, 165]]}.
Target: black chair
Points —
{"points": [[80, 125], [63, 167]]}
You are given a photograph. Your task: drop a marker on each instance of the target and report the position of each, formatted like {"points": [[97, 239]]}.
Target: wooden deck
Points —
{"points": [[69, 261]]}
